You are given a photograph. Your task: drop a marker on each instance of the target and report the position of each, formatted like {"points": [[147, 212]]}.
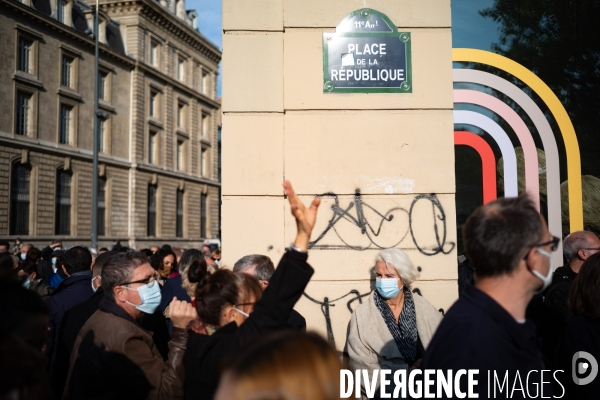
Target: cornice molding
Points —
{"points": [[154, 12]]}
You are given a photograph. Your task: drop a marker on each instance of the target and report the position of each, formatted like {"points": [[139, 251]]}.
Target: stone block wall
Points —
{"points": [[370, 155]]}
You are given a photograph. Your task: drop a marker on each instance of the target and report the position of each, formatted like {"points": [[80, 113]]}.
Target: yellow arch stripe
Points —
{"points": [[557, 110]]}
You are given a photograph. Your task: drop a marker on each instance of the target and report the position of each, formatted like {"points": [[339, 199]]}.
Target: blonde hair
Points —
{"points": [[400, 261], [287, 365]]}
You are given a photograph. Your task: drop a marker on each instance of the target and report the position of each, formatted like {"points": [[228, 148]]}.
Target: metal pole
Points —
{"points": [[94, 244]]}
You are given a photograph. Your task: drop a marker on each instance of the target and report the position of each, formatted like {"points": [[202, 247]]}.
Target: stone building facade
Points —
{"points": [[158, 135]]}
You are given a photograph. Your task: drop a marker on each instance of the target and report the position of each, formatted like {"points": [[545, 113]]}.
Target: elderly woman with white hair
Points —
{"points": [[392, 329]]}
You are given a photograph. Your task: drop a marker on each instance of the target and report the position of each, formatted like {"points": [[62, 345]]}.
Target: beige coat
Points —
{"points": [[370, 345]]}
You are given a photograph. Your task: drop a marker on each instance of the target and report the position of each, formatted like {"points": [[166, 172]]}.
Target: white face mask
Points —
{"points": [[218, 262], [93, 279], [245, 314], [547, 280]]}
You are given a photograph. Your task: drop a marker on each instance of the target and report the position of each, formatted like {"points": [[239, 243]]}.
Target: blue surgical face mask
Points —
{"points": [[387, 287], [53, 260], [26, 283], [150, 296], [23, 256]]}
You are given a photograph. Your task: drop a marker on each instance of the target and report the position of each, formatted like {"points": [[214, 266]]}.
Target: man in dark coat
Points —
{"points": [[262, 268], [77, 288], [71, 324], [509, 246], [114, 357]]}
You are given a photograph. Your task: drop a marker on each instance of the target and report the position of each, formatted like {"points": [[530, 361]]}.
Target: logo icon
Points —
{"points": [[580, 368]]}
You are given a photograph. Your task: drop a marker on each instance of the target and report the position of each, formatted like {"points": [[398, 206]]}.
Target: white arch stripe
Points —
{"points": [[511, 187], [547, 136]]}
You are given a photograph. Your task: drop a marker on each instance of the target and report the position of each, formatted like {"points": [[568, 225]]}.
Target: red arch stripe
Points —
{"points": [[488, 161]]}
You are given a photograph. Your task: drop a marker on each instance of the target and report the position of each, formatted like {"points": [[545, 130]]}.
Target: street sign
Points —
{"points": [[366, 54]]}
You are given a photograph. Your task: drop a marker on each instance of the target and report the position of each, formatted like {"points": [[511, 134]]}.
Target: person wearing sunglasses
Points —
{"points": [[510, 248], [113, 356]]}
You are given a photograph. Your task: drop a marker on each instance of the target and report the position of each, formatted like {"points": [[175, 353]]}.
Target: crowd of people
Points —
{"points": [[170, 323]]}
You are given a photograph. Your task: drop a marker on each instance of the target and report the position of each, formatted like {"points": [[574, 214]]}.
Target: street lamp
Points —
{"points": [[94, 244]]}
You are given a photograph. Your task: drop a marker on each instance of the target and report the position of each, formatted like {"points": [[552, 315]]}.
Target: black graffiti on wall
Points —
{"points": [[355, 214], [326, 304]]}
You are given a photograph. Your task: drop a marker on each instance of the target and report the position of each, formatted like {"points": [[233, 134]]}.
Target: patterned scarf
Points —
{"points": [[405, 331]]}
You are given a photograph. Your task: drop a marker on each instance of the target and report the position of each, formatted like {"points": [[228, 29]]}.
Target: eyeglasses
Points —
{"points": [[553, 243], [144, 281], [215, 259], [593, 249]]}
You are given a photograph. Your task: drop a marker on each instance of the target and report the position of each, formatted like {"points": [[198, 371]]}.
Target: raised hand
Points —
{"points": [[181, 313], [305, 217]]}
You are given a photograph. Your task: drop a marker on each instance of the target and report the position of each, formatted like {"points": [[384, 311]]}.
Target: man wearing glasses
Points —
{"points": [[509, 246], [113, 357]]}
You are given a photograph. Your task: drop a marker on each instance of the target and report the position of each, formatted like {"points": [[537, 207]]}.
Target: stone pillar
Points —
{"points": [[385, 160]]}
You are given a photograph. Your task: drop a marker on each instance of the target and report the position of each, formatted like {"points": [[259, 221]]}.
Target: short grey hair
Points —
{"points": [[119, 269], [400, 261], [264, 266], [572, 244]]}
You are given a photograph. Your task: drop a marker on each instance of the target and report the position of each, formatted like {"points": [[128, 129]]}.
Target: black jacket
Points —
{"points": [[478, 333], [72, 291], [71, 324], [556, 295], [580, 334], [205, 354], [296, 321]]}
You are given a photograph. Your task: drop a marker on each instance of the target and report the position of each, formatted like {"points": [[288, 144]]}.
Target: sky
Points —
{"points": [[209, 23]]}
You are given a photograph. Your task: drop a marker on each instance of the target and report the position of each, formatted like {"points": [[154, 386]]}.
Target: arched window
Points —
{"points": [[151, 210], [19, 199], [63, 203]]}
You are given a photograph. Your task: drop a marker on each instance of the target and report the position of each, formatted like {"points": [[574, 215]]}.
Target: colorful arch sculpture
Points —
{"points": [[511, 188], [488, 161], [532, 182], [557, 110], [546, 135]]}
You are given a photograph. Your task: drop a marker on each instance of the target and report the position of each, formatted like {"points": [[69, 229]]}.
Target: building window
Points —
{"points": [[153, 104], [205, 125], [152, 138], [66, 123], [66, 78], [180, 69], [24, 62], [151, 210], [61, 11], [101, 134], [180, 155], [19, 199], [181, 116], [154, 53], [63, 203], [179, 212], [23, 117], [203, 216], [103, 86], [205, 80], [203, 162], [101, 206]]}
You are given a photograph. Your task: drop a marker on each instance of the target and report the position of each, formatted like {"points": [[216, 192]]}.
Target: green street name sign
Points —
{"points": [[366, 54]]}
